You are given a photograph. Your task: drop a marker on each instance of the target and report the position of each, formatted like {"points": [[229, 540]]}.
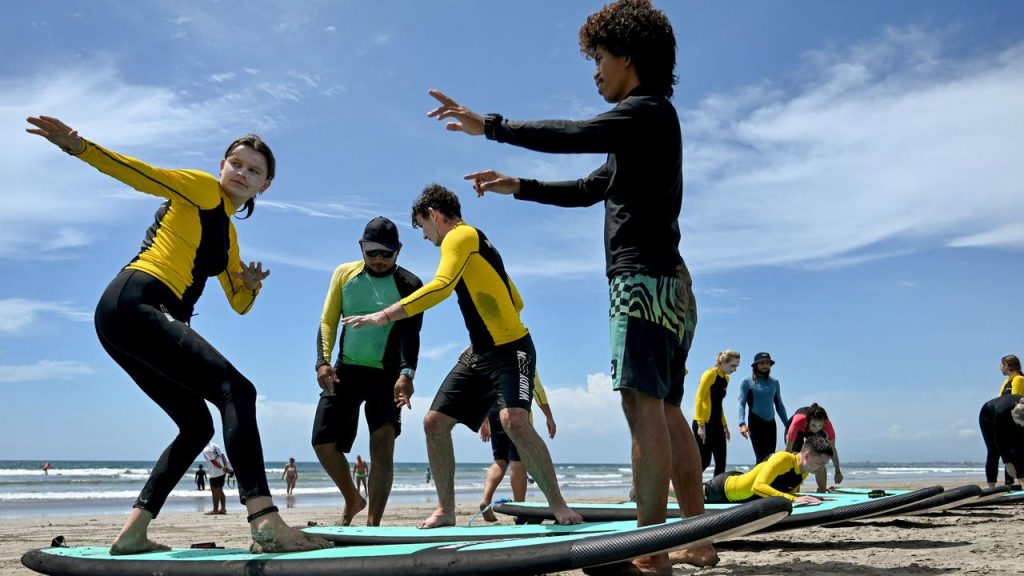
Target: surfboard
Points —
{"points": [[369, 535], [947, 499], [835, 508], [1003, 496], [459, 558]]}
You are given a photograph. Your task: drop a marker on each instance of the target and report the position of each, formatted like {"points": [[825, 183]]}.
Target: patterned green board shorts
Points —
{"points": [[651, 320]]}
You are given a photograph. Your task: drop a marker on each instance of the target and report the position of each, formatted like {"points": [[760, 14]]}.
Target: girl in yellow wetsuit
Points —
{"points": [[143, 322]]}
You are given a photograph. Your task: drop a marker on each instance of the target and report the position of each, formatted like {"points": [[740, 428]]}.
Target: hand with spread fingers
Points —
{"points": [[63, 136], [467, 121], [252, 275]]}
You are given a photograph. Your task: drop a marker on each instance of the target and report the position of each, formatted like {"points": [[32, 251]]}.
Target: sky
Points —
{"points": [[854, 178]]}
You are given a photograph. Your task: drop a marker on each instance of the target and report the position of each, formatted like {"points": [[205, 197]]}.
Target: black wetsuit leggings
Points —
{"points": [[986, 420], [763, 436], [713, 445], [142, 325]]}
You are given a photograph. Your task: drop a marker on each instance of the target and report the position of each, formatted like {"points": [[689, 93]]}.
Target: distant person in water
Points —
{"points": [[813, 421], [143, 321], [201, 478], [46, 468], [762, 395], [290, 475], [781, 474], [361, 470]]}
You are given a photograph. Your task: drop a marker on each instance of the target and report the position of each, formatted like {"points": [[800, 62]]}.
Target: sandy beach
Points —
{"points": [[970, 541]]}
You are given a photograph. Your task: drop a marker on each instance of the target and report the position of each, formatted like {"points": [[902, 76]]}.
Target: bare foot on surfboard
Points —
{"points": [[438, 519], [701, 556], [271, 534], [124, 545], [350, 511], [565, 515]]}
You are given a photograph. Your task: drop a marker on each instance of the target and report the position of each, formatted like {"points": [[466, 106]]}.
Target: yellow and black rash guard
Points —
{"points": [[779, 475], [1013, 385], [710, 393], [192, 238], [472, 268]]}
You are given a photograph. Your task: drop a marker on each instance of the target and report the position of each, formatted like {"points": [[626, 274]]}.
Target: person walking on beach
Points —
{"points": [[201, 478], [503, 357], [1001, 421], [762, 395], [813, 421], [290, 475], [641, 185], [709, 424], [360, 470], [374, 366], [218, 473], [781, 474], [506, 457], [143, 322]]}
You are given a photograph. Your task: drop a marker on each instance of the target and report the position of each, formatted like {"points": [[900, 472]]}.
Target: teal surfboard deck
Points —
{"points": [[840, 507], [459, 558], [362, 535]]}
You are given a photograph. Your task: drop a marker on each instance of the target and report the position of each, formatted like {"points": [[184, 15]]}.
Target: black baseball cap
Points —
{"points": [[380, 234]]}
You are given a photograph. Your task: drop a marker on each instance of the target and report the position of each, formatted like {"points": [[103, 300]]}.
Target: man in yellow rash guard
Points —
{"points": [[1010, 367], [780, 475], [504, 360]]}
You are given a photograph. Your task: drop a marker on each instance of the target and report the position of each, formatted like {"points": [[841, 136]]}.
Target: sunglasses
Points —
{"points": [[379, 253]]}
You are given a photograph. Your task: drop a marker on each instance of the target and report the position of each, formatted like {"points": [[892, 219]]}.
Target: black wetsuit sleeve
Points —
{"points": [[409, 328], [568, 194], [608, 132]]}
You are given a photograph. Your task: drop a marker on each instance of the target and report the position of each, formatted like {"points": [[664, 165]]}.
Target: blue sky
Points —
{"points": [[853, 189]]}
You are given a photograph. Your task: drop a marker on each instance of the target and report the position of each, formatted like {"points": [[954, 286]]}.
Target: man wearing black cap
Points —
{"points": [[376, 365], [762, 394]]}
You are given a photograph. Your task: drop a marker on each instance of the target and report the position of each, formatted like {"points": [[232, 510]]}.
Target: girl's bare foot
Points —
{"points": [[123, 546], [701, 556]]}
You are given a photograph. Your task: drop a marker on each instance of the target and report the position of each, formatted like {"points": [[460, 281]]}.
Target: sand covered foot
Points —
{"points": [[351, 510], [279, 537], [701, 556], [438, 519], [124, 546]]}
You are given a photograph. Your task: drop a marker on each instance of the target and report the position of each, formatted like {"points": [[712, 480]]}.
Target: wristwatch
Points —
{"points": [[408, 373], [489, 121]]}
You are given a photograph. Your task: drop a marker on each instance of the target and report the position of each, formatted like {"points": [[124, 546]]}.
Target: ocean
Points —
{"points": [[110, 487]]}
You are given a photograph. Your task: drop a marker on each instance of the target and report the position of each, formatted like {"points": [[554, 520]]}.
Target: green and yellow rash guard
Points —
{"points": [[472, 268], [779, 475], [354, 291], [539, 395], [192, 238], [1013, 385], [710, 393]]}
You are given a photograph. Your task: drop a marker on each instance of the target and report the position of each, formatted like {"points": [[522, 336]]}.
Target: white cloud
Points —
{"points": [[595, 409], [44, 370], [440, 351], [889, 147], [52, 200], [17, 313]]}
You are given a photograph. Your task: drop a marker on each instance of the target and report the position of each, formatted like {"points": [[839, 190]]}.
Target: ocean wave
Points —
{"points": [[598, 476]]}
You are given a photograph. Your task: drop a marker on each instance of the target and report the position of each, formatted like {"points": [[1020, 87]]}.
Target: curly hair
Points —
{"points": [[440, 199], [635, 29], [819, 445]]}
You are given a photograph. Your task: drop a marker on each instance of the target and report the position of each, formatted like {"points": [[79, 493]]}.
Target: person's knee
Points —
{"points": [[516, 422], [437, 423]]}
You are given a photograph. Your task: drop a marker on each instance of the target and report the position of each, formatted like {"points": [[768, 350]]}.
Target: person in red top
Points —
{"points": [[813, 421]]}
